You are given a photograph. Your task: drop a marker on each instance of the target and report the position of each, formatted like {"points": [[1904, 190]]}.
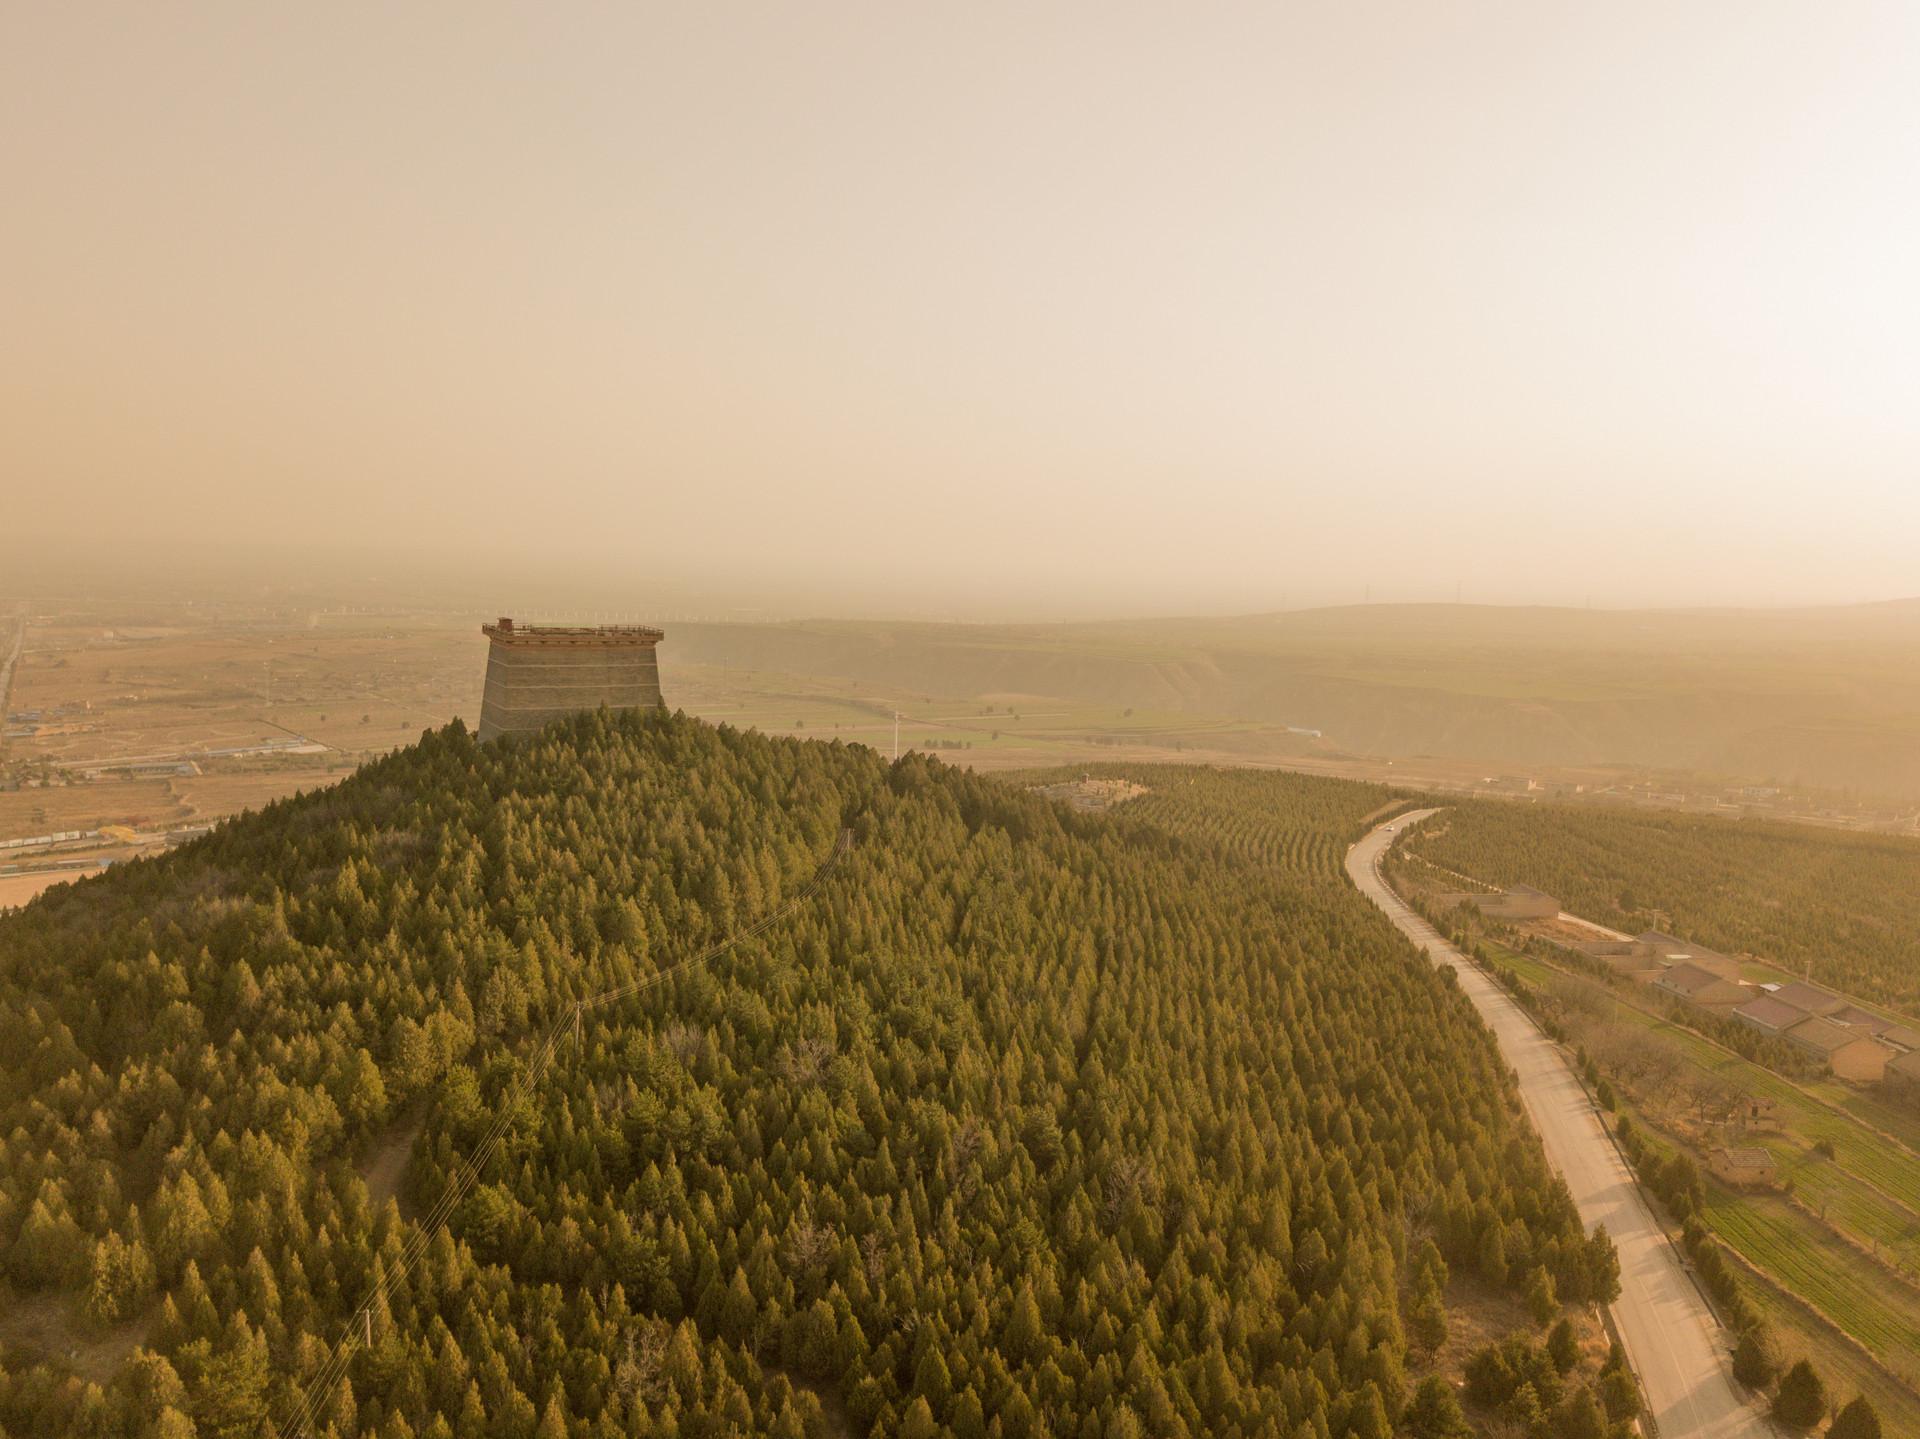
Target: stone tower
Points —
{"points": [[537, 673]]}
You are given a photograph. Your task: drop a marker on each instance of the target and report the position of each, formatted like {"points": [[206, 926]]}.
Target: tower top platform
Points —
{"points": [[505, 631]]}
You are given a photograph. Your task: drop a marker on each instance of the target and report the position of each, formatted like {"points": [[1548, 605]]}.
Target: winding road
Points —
{"points": [[1672, 1339]]}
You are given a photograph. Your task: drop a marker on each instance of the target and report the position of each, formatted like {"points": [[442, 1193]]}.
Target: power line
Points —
{"points": [[357, 1329]]}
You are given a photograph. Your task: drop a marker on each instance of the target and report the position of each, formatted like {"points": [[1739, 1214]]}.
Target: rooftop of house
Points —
{"points": [[1823, 1036], [1745, 1158], [1689, 979], [1660, 939], [1771, 1012], [1810, 997]]}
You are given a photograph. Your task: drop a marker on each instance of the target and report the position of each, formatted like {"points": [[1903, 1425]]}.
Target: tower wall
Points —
{"points": [[537, 674]]}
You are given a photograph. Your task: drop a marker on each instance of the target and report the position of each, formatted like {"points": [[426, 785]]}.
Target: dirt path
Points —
{"points": [[832, 1408], [384, 1168]]}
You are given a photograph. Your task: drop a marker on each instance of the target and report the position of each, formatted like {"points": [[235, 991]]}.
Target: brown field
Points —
{"points": [[168, 684], [304, 696], [17, 889], [87, 806], [172, 685]]}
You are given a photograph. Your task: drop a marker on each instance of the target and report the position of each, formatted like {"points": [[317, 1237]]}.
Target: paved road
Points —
{"points": [[1671, 1337]]}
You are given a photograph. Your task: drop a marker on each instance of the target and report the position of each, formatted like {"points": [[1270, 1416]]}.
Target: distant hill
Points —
{"points": [[1023, 1122], [1826, 697]]}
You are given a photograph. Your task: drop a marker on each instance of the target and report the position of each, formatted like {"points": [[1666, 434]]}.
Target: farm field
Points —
{"points": [[1844, 1238], [301, 696], [1841, 1362], [1837, 1279], [1815, 903], [302, 692], [157, 716], [1819, 699], [17, 889]]}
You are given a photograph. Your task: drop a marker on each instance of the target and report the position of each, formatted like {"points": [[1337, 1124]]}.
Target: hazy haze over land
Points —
{"points": [[995, 312]]}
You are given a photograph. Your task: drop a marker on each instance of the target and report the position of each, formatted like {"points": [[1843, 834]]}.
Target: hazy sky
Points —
{"points": [[977, 308]]}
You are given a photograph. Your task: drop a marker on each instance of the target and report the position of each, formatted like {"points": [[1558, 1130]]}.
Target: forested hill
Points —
{"points": [[1024, 1124]]}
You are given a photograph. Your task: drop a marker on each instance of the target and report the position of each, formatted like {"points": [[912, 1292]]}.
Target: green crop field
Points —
{"points": [[1856, 1293], [1845, 1367]]}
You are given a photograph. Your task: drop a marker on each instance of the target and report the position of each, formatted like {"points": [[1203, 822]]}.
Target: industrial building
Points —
{"points": [[1809, 997], [540, 673], [1770, 1015]]}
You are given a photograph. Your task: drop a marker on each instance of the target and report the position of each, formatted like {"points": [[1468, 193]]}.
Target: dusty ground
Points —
{"points": [[305, 697], [387, 1165], [1569, 928], [44, 1324], [1093, 795], [17, 889]]}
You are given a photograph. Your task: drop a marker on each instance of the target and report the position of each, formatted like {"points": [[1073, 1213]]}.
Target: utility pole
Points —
{"points": [[896, 736]]}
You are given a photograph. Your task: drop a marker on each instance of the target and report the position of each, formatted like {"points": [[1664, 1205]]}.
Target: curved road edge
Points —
{"points": [[1672, 1338]]}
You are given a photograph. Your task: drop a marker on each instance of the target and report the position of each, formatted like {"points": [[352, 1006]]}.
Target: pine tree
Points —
{"points": [[1801, 1400], [1856, 1421], [1753, 1363], [1435, 1413], [1541, 1302], [917, 1422]]}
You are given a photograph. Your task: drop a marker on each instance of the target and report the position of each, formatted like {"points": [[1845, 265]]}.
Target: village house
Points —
{"points": [[1670, 949], [1770, 1014], [1701, 987], [1848, 1052], [1625, 957], [1903, 1073], [1743, 1168], [1810, 997], [1878, 1025], [1900, 1037]]}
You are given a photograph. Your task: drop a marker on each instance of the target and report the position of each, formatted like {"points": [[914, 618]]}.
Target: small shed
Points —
{"points": [[1743, 1168]]}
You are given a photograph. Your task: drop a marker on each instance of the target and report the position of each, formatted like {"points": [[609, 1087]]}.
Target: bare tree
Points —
{"points": [[637, 1376], [809, 1246], [1129, 1179], [682, 1040], [804, 1060]]}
